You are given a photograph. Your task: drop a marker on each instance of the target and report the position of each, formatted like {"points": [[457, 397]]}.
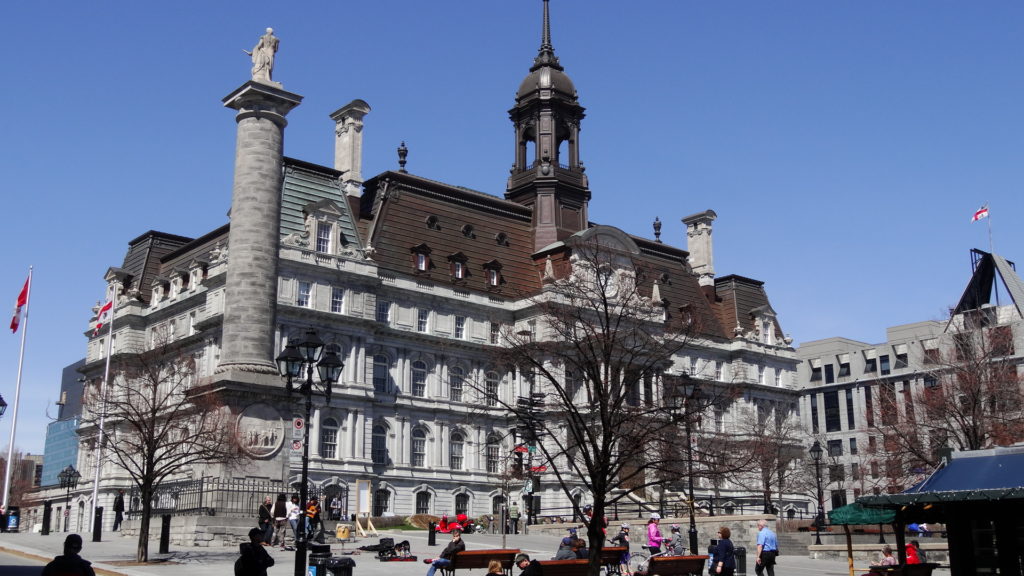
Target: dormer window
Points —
{"points": [[458, 266], [421, 258], [196, 274], [323, 237], [493, 274], [160, 288]]}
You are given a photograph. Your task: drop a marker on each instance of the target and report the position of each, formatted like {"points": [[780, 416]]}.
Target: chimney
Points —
{"points": [[698, 243], [348, 144]]}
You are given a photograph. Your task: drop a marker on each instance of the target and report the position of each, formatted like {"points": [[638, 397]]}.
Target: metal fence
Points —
{"points": [[218, 497]]}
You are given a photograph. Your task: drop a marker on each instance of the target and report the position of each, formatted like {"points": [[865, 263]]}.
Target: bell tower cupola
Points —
{"points": [[547, 173]]}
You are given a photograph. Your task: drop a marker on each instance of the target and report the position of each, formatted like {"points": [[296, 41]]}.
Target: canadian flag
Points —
{"points": [[980, 213], [22, 300], [103, 316]]}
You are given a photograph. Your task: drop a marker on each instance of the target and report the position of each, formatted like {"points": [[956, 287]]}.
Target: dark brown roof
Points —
{"points": [[738, 298]]}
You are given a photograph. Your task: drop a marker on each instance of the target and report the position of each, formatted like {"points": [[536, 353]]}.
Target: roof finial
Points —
{"points": [[546, 54], [657, 230], [545, 39], [403, 152]]}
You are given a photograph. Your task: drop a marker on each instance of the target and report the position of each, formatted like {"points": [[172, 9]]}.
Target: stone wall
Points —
{"points": [[868, 554]]}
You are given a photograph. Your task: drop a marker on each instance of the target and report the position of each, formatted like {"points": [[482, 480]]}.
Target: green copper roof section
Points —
{"points": [[307, 184]]}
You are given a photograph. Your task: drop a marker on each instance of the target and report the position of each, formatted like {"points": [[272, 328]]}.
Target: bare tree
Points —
{"points": [[160, 423], [773, 440], [23, 474], [970, 399], [594, 355]]}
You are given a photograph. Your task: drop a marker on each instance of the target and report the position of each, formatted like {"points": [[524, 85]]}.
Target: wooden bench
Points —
{"points": [[677, 565], [904, 569], [611, 557], [578, 567], [469, 559]]}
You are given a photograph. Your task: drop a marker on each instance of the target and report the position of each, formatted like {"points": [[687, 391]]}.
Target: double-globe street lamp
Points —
{"points": [[815, 452], [308, 353], [68, 479]]}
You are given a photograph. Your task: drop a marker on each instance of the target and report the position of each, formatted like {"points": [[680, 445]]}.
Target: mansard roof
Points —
{"points": [[407, 211], [308, 185], [739, 301]]}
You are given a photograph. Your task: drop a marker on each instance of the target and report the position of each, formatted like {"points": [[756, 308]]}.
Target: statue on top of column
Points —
{"points": [[263, 57]]}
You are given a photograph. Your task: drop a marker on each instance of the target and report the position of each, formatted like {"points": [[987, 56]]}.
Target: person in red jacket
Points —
{"points": [[912, 556]]}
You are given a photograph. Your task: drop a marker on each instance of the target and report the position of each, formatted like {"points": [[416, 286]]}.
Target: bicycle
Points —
{"points": [[639, 561]]}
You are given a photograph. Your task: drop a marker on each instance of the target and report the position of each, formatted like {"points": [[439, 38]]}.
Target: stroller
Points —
{"points": [[388, 551]]}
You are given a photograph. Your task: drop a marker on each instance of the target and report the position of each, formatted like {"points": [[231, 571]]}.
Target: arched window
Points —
{"points": [[381, 364], [329, 438], [456, 375], [462, 503], [493, 454], [419, 378], [496, 503], [455, 450], [379, 445], [423, 503], [491, 382], [419, 448]]}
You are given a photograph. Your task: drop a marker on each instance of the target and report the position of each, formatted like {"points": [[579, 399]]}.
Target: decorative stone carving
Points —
{"points": [[260, 431]]}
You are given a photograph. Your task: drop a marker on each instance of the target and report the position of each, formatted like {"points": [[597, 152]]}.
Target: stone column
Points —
{"points": [[251, 290]]}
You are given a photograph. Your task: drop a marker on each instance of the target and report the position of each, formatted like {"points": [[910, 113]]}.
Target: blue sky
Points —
{"points": [[844, 145]]}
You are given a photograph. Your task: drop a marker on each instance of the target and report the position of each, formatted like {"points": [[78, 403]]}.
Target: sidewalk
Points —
{"points": [[114, 556]]}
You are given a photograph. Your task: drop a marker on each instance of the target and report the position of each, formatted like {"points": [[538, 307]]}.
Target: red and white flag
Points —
{"points": [[22, 300], [980, 213], [103, 316]]}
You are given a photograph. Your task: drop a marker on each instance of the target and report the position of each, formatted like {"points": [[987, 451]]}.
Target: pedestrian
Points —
{"points": [[528, 567], [266, 521], [118, 510], [565, 547], [675, 542], [914, 553], [494, 568], [767, 549], [725, 553], [513, 517], [622, 539], [335, 508], [70, 563], [294, 512], [254, 560], [455, 546], [654, 538], [314, 522], [280, 520]]}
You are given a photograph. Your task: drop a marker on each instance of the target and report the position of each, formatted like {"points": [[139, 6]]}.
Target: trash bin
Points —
{"points": [[342, 531], [319, 554], [741, 560], [340, 566], [13, 518]]}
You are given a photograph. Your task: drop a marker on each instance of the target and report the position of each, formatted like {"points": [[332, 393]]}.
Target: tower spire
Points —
{"points": [[546, 54]]}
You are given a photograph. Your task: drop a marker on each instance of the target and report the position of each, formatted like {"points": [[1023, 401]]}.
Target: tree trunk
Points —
{"points": [[142, 552]]}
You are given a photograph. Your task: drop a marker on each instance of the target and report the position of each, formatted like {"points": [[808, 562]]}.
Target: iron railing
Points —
{"points": [[221, 497]]}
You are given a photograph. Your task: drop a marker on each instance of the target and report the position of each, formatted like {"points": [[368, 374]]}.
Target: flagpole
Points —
{"points": [[17, 394], [103, 414]]}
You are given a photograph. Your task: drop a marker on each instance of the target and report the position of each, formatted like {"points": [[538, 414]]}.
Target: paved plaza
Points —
{"points": [[114, 555]]}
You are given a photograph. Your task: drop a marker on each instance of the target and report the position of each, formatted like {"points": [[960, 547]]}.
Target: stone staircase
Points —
{"points": [[794, 543]]}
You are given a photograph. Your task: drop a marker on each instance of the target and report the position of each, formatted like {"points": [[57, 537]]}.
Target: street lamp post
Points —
{"points": [[3, 405], [815, 452], [68, 479], [307, 354], [692, 390]]}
